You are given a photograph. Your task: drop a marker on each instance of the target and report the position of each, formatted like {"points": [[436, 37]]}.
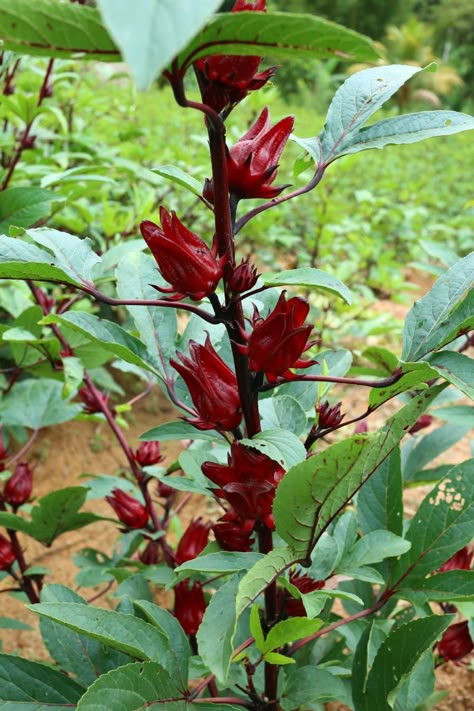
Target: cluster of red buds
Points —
{"points": [[93, 402], [131, 512], [189, 601], [148, 454]]}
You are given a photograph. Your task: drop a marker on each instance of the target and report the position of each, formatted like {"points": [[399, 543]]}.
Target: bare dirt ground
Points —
{"points": [[66, 452]]}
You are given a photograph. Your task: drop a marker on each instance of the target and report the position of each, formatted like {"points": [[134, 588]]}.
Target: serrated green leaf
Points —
{"points": [[134, 687], [221, 562], [422, 449], [442, 525], [280, 445], [264, 572], [36, 404], [313, 492], [308, 277], [438, 314], [451, 586], [23, 207], [307, 685], [23, 681], [216, 633], [283, 412], [288, 631], [73, 255], [20, 260], [170, 431], [380, 502], [374, 547], [418, 686], [457, 368], [178, 176]]}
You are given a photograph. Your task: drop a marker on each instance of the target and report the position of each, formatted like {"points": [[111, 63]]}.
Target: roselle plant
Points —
{"points": [[307, 518]]}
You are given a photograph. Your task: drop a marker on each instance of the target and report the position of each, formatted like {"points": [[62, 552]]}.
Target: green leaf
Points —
{"points": [[22, 681], [216, 633], [171, 431], [434, 318], [36, 404], [280, 659], [109, 336], [73, 255], [86, 658], [421, 450], [374, 547], [221, 562], [288, 631], [457, 368], [52, 29], [307, 685], [452, 586], [308, 277], [413, 375], [395, 659], [280, 34], [126, 633], [283, 412], [419, 685], [264, 572], [280, 445], [379, 502], [134, 687], [151, 38], [9, 623], [179, 177], [157, 327], [177, 640], [73, 371], [20, 260], [312, 493], [255, 627], [409, 128], [23, 207], [442, 525]]}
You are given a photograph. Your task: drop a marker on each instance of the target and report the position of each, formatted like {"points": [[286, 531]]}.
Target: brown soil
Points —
{"points": [[66, 452]]}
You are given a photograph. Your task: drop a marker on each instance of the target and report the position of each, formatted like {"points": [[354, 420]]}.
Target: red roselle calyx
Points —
{"points": [[189, 605], [422, 422], [7, 554], [225, 80], [148, 453], [461, 560], [213, 388], [129, 510], [242, 277], [248, 482], [184, 260], [277, 342], [92, 402], [233, 532], [329, 416], [19, 486], [193, 541], [456, 642]]}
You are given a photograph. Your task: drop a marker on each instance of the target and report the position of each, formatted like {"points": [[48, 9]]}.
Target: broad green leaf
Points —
{"points": [[22, 682], [457, 368], [279, 34], [280, 445], [374, 547], [177, 640], [456, 414], [9, 623], [452, 586], [221, 562], [409, 128], [277, 658], [134, 687], [434, 317], [379, 502], [178, 176], [36, 404], [170, 431], [20, 260], [418, 687], [215, 635], [288, 631], [23, 207], [307, 685], [422, 449], [52, 29], [152, 36], [313, 492], [53, 514], [283, 412], [109, 336], [157, 327], [381, 357], [396, 658], [413, 376], [264, 572], [73, 255], [73, 371], [255, 626], [86, 658], [308, 277], [126, 633], [442, 525]]}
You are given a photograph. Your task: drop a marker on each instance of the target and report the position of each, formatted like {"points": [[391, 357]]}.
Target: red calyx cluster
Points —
{"points": [[184, 260], [276, 343], [189, 601], [19, 486], [213, 388], [248, 482], [93, 403], [225, 80], [233, 532], [129, 510], [148, 453]]}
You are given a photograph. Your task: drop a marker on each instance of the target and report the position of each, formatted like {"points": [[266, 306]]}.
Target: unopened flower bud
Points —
{"points": [[164, 490], [329, 417], [130, 511], [94, 402], [148, 453], [189, 605], [18, 487], [150, 555], [193, 541], [242, 277], [422, 422], [461, 560], [7, 554], [456, 642]]}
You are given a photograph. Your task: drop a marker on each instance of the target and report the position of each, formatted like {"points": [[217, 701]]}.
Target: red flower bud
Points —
{"points": [[242, 277], [329, 416], [19, 486], [150, 555], [213, 388], [7, 554], [248, 482], [193, 541], [422, 422], [183, 258], [3, 451], [93, 403], [459, 561], [456, 642], [164, 490], [277, 342], [189, 605], [130, 511], [233, 533], [148, 453]]}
